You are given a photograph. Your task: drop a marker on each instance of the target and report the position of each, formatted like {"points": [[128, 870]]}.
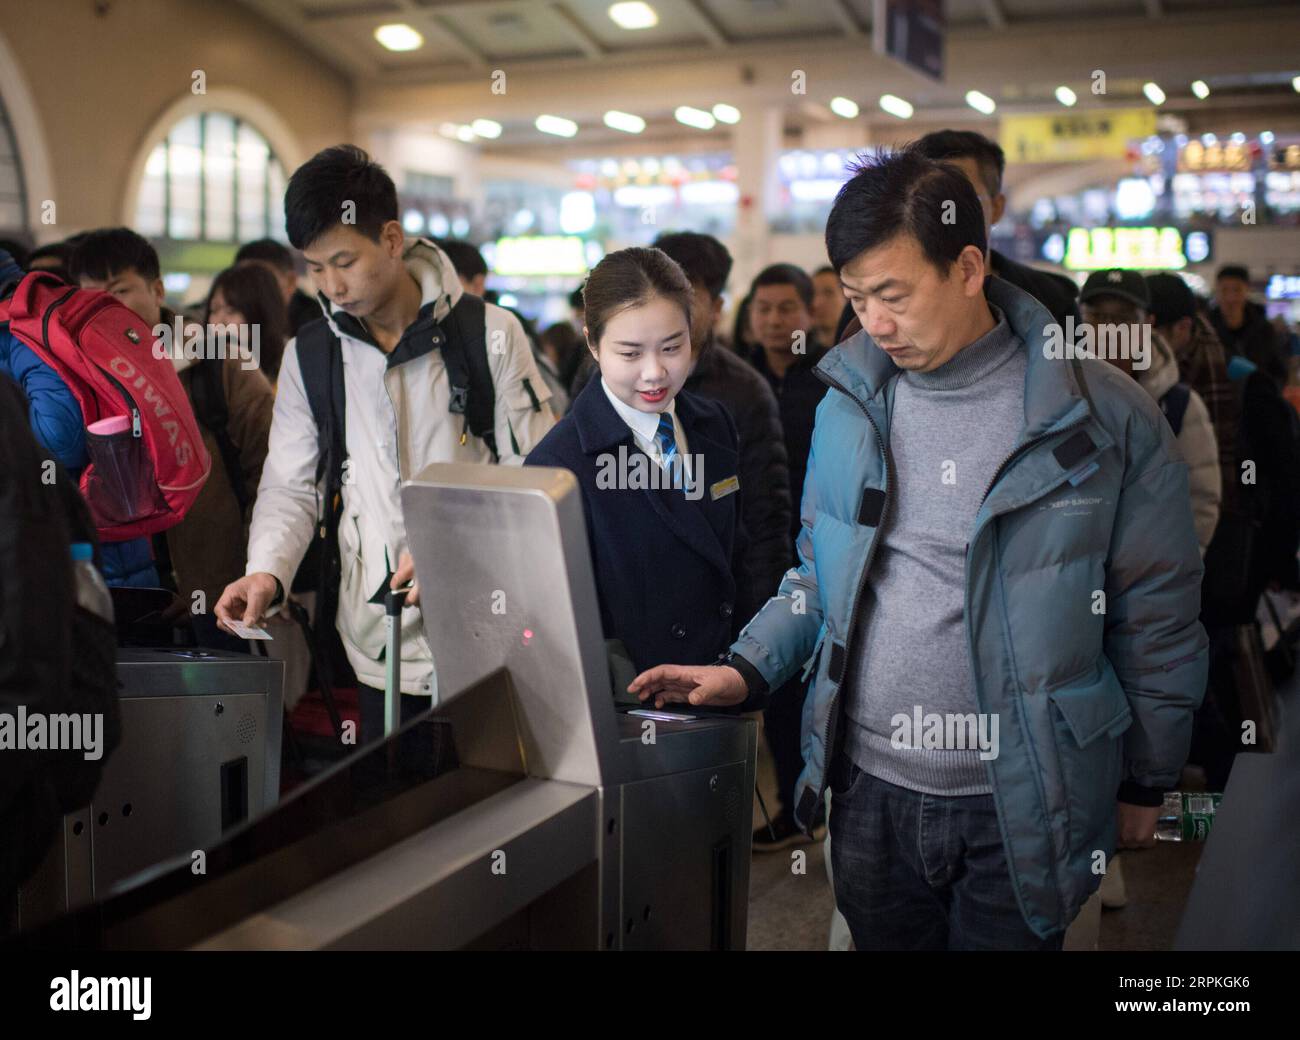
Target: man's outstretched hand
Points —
{"points": [[703, 686]]}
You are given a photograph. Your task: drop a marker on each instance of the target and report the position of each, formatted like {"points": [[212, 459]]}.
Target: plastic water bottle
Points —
{"points": [[92, 593], [1187, 816]]}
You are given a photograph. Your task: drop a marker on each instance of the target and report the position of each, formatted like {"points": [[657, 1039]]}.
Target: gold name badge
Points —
{"points": [[724, 487]]}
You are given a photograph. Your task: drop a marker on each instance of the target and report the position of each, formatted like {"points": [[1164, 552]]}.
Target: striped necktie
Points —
{"points": [[666, 437]]}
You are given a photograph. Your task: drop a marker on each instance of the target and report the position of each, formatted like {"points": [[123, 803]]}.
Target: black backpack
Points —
{"points": [[473, 395], [1174, 404]]}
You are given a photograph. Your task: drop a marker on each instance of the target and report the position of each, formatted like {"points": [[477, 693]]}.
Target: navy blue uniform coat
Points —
{"points": [[667, 567]]}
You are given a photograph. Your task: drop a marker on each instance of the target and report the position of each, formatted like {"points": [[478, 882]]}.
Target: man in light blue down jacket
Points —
{"points": [[997, 592]]}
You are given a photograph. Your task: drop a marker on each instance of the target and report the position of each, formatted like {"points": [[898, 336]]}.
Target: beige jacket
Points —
{"points": [[1196, 440]]}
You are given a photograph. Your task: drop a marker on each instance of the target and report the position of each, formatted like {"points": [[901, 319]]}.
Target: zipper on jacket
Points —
{"points": [[828, 735], [966, 612], [1017, 452]]}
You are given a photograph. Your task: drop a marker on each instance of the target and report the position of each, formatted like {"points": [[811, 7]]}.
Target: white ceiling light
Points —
{"points": [[1295, 84], [557, 125], [695, 117], [1201, 89], [1066, 96], [844, 107], [896, 106], [488, 128], [1154, 94], [981, 102], [399, 37], [635, 15], [624, 121], [577, 213], [726, 113], [465, 133]]}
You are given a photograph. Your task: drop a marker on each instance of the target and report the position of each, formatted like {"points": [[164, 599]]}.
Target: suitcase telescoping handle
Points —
{"points": [[394, 601]]}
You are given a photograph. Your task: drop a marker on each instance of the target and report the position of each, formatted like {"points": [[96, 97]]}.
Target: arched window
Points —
{"points": [[13, 192], [213, 178]]}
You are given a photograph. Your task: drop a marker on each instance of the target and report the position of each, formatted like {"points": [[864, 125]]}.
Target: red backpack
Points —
{"points": [[144, 477]]}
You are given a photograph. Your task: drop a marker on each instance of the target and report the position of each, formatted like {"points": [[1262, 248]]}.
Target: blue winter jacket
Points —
{"points": [[1090, 691]]}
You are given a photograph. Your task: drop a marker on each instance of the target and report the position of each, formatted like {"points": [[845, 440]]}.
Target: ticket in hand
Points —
{"points": [[247, 631]]}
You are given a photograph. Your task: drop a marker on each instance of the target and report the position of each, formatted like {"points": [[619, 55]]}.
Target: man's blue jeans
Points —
{"points": [[919, 871]]}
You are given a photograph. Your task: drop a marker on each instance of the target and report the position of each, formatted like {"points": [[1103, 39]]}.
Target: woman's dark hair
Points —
{"points": [[252, 289], [339, 185], [904, 193], [563, 340], [630, 278]]}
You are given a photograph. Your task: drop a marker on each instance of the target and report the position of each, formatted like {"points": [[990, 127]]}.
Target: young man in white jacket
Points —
{"points": [[387, 300]]}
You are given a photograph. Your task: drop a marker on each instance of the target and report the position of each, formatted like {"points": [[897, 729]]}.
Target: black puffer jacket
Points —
{"points": [[766, 503], [798, 394], [1255, 340]]}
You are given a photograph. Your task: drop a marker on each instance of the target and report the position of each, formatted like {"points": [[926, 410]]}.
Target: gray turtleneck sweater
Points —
{"points": [[948, 431]]}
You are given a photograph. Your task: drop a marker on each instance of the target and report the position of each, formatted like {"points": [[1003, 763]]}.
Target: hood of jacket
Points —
{"points": [[1162, 373], [432, 270]]}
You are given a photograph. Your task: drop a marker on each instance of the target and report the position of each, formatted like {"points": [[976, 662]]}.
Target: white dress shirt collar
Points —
{"points": [[644, 424]]}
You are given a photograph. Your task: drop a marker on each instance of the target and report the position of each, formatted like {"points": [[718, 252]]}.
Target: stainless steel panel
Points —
{"points": [[438, 889], [685, 856], [184, 714], [161, 794], [678, 746], [501, 556]]}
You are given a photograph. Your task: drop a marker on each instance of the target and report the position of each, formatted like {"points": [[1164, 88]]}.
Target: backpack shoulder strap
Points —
{"points": [[465, 355], [322, 380], [211, 409], [1174, 404]]}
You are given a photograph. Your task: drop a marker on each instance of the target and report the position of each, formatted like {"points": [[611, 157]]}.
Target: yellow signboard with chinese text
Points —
{"points": [[1135, 248], [1074, 136]]}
